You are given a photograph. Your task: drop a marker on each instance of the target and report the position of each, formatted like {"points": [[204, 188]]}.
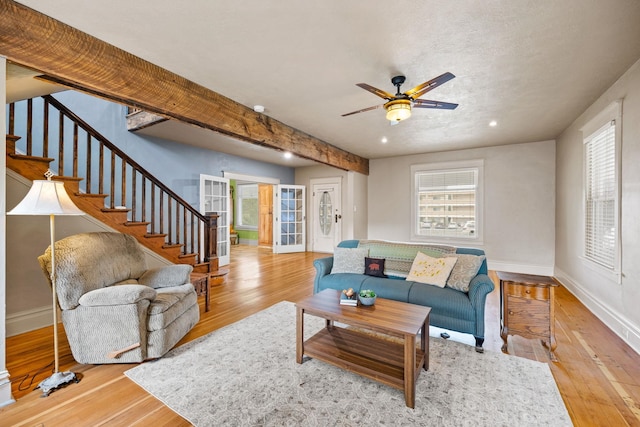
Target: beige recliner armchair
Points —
{"points": [[115, 310]]}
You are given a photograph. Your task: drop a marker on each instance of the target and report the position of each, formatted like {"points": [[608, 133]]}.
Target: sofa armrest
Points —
{"points": [[117, 295], [323, 267], [169, 275], [479, 288]]}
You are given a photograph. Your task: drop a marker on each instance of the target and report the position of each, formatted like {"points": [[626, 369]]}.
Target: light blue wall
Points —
{"points": [[177, 165]]}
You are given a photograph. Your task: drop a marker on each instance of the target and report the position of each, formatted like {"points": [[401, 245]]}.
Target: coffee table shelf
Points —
{"points": [[397, 364], [351, 351]]}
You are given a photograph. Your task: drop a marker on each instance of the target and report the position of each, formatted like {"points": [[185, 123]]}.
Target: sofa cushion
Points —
{"points": [[465, 269], [388, 288], [443, 301], [374, 267], [349, 260], [431, 271]]}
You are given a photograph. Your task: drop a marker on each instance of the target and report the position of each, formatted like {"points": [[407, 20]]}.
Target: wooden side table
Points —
{"points": [[200, 283], [527, 308]]}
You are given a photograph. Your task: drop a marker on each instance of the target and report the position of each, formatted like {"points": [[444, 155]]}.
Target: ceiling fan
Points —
{"points": [[398, 106]]}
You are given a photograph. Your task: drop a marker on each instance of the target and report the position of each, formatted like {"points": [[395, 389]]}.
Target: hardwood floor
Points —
{"points": [[597, 374]]}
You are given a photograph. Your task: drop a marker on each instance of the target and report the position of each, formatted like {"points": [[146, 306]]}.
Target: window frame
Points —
{"points": [[598, 124], [476, 165], [240, 225]]}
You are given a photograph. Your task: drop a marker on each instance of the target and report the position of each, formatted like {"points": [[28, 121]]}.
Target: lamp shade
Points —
{"points": [[46, 198], [398, 110]]}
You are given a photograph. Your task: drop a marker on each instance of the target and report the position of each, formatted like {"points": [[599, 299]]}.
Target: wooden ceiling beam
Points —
{"points": [[68, 56]]}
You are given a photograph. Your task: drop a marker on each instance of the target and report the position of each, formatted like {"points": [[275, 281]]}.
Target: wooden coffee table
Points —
{"points": [[397, 364]]}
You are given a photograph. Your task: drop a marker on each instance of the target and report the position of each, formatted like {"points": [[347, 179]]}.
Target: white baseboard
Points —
{"points": [[6, 397], [541, 270], [618, 323], [28, 320]]}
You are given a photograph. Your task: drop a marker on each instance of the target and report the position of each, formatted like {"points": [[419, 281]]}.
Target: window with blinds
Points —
{"points": [[247, 206], [601, 196], [446, 203]]}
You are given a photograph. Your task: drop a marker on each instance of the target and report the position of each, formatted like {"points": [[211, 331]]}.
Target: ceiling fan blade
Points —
{"points": [[374, 90], [362, 111], [425, 87], [424, 103]]}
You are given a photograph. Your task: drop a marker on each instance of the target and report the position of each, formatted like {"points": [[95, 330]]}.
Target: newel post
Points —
{"points": [[211, 236]]}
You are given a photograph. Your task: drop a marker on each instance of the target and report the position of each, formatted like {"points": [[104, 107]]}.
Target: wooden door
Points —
{"points": [[265, 215]]}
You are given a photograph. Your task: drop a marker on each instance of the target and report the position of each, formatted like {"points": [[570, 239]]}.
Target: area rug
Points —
{"points": [[245, 374]]}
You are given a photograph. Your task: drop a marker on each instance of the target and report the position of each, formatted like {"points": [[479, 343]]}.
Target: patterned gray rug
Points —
{"points": [[245, 375]]}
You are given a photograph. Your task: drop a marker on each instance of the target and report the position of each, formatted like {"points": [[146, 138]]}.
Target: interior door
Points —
{"points": [[214, 197], [327, 216], [289, 222], [265, 214]]}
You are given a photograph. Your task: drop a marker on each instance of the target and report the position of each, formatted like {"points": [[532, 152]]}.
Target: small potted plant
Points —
{"points": [[367, 297]]}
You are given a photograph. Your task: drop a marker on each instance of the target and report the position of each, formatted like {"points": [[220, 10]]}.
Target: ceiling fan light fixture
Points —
{"points": [[398, 110]]}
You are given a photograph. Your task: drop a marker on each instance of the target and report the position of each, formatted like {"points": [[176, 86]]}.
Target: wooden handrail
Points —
{"points": [[94, 133], [177, 216]]}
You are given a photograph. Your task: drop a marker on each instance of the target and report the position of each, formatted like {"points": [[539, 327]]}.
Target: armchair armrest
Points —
{"points": [[323, 267], [117, 295], [169, 275]]}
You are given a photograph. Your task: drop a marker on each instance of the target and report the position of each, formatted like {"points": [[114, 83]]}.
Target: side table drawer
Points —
{"points": [[527, 291], [529, 317]]}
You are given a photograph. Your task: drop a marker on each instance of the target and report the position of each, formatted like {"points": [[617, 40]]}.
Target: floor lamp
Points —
{"points": [[48, 197]]}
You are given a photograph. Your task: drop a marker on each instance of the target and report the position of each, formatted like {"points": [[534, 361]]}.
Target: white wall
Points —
{"points": [[354, 199], [5, 384], [519, 202], [614, 303]]}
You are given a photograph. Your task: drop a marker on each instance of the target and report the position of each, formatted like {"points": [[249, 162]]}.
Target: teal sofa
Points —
{"points": [[451, 309]]}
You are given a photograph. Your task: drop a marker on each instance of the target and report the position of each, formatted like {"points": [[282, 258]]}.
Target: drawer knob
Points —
{"points": [[511, 313], [528, 291]]}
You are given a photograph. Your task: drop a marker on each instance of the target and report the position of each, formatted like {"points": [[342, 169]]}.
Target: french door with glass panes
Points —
{"points": [[289, 227], [214, 197]]}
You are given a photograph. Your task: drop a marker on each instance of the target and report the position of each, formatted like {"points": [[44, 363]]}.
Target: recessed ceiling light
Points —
{"points": [[287, 155], [493, 123], [258, 108], [384, 140]]}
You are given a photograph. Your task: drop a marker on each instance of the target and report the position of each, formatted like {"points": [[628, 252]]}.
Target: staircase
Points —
{"points": [[107, 184]]}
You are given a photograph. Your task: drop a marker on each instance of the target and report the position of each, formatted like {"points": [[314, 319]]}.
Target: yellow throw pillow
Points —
{"points": [[432, 271]]}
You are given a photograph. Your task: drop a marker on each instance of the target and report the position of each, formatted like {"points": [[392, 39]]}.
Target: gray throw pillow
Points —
{"points": [[349, 260]]}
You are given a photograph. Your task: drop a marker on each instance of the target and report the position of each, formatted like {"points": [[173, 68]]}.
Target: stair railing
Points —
{"points": [[126, 184]]}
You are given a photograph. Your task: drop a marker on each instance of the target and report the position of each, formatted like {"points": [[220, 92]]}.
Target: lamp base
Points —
{"points": [[56, 381]]}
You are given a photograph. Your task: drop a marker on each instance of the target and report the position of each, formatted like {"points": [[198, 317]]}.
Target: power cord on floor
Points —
{"points": [[31, 378]]}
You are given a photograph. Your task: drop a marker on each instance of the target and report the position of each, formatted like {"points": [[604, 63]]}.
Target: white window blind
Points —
{"points": [[446, 203], [601, 234]]}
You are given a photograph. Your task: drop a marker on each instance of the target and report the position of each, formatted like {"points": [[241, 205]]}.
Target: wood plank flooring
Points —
{"points": [[597, 374]]}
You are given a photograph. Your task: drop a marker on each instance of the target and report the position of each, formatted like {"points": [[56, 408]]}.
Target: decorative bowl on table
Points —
{"points": [[367, 297]]}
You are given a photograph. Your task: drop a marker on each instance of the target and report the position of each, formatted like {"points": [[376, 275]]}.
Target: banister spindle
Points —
{"points": [[45, 130], [61, 144], [123, 198], [12, 118], [112, 183], [101, 169], [75, 150], [153, 208], [87, 188], [30, 127]]}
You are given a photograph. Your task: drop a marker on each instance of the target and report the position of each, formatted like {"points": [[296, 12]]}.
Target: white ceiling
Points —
{"points": [[533, 66]]}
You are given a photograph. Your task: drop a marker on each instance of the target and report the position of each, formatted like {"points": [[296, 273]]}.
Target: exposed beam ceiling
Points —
{"points": [[70, 57], [532, 66]]}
